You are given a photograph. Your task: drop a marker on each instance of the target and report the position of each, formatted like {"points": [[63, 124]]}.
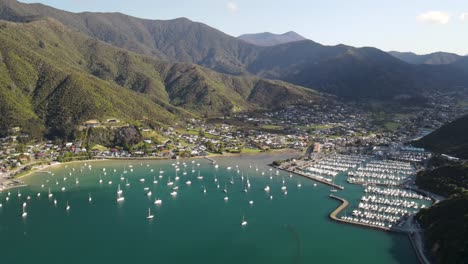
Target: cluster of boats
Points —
{"points": [[184, 173], [394, 192], [392, 173]]}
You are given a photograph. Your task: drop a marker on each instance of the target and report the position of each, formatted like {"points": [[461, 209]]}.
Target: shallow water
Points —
{"points": [[192, 227]]}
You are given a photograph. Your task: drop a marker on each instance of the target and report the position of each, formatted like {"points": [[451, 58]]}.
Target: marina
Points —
{"points": [[160, 220]]}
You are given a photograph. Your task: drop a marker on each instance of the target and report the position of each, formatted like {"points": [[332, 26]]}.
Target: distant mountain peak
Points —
{"points": [[271, 39]]}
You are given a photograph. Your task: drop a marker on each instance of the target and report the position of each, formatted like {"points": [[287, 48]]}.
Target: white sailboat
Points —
{"points": [[154, 180], [120, 198], [50, 194], [243, 223], [188, 182], [68, 207], [89, 198], [158, 201], [267, 188], [127, 183], [150, 216], [119, 191], [24, 214], [225, 189]]}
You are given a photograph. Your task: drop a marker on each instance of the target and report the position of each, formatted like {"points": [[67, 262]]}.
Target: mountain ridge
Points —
{"points": [[271, 39], [44, 64], [353, 73]]}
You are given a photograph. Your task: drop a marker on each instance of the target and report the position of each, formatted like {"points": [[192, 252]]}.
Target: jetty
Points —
{"points": [[300, 173], [334, 215], [210, 159]]}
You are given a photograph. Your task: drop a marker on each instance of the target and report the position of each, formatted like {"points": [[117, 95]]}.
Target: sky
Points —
{"points": [[420, 26]]}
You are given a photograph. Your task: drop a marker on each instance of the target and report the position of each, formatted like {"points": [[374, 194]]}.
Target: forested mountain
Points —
{"points": [[356, 73], [435, 58], [54, 77], [271, 39], [451, 139]]}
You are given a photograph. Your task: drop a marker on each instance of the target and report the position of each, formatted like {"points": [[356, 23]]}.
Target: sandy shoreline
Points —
{"points": [[44, 167]]}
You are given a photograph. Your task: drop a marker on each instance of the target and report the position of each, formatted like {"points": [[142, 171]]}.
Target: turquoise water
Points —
{"points": [[191, 228]]}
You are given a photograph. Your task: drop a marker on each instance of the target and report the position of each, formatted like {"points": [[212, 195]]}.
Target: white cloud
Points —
{"points": [[232, 7], [464, 17], [434, 17]]}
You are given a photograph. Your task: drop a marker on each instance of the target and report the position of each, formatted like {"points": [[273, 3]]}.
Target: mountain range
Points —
{"points": [[271, 39], [354, 73], [54, 77], [436, 58]]}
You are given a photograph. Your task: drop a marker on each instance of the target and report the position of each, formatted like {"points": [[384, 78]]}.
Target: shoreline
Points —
{"points": [[44, 167], [416, 243]]}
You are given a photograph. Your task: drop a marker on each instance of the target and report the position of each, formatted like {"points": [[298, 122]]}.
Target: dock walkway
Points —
{"points": [[311, 177]]}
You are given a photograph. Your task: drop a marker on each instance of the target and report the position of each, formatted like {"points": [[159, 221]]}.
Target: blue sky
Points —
{"points": [[421, 26]]}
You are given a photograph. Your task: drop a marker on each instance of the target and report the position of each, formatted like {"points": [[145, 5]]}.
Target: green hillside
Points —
{"points": [[446, 225], [355, 73], [451, 139], [57, 77]]}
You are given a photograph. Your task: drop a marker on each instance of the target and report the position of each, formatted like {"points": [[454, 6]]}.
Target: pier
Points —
{"points": [[210, 159], [334, 215], [311, 177]]}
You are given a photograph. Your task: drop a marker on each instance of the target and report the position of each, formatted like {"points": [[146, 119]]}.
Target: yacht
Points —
{"points": [[267, 188], [120, 198], [174, 193], [154, 180], [89, 198], [68, 207], [243, 223], [251, 202], [50, 194], [158, 201], [119, 191], [127, 183], [24, 214], [188, 182], [150, 216]]}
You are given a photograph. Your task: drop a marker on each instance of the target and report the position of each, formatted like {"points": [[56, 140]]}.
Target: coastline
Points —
{"points": [[44, 167]]}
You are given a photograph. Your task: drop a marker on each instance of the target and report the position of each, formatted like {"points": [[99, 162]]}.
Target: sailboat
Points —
{"points": [[154, 180], [251, 202], [243, 223], [55, 201], [150, 216], [68, 207], [24, 214], [199, 176], [225, 188], [232, 180], [120, 198], [90, 199], [127, 183], [158, 201], [188, 182], [50, 194], [100, 179], [119, 191], [77, 181], [333, 189], [19, 194], [204, 189], [267, 188], [169, 183]]}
